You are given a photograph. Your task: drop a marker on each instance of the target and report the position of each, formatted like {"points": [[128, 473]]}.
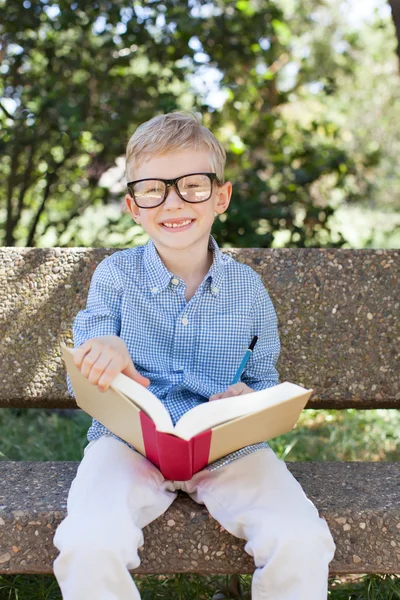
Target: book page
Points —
{"points": [[145, 400], [257, 427], [210, 414], [90, 399]]}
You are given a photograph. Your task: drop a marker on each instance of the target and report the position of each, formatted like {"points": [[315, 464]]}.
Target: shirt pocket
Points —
{"points": [[220, 345]]}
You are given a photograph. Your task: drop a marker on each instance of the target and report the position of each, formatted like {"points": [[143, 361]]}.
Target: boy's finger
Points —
{"points": [[99, 368], [89, 360], [131, 372], [145, 381], [82, 351], [113, 369], [231, 391], [79, 354], [236, 388], [108, 375]]}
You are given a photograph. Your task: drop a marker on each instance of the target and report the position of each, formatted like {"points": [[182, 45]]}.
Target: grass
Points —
{"points": [[324, 435]]}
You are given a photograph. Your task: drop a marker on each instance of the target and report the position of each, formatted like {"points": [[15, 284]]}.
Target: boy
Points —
{"points": [[176, 315]]}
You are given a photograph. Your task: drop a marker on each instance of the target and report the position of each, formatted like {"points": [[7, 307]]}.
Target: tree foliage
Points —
{"points": [[79, 77]]}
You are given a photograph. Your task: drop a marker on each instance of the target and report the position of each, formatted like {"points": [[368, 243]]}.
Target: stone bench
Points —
{"points": [[338, 320]]}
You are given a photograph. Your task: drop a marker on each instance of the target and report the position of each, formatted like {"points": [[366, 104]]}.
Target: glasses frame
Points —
{"points": [[172, 182]]}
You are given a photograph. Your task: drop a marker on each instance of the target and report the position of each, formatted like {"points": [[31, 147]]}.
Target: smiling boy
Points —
{"points": [[177, 315]]}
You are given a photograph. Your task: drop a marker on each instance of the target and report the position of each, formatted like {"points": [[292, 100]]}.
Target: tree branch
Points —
{"points": [[32, 231], [6, 112], [9, 241], [51, 177], [25, 185]]}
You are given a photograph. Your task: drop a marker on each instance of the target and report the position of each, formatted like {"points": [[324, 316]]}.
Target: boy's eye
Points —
{"points": [[149, 188]]}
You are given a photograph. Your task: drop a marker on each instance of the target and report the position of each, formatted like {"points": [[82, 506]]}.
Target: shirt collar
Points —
{"points": [[159, 277]]}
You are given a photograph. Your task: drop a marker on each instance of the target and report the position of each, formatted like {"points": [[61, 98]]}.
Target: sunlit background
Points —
{"points": [[303, 95]]}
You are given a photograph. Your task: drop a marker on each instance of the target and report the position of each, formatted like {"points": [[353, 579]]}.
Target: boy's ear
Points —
{"points": [[132, 208], [223, 197]]}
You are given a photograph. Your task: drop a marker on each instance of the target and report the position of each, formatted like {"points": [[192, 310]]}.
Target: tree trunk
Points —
{"points": [[395, 6]]}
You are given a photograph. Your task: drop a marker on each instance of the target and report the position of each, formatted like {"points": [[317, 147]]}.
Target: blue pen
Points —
{"points": [[244, 361]]}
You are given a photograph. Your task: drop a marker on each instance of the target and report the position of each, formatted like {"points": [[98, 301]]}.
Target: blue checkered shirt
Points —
{"points": [[189, 350]]}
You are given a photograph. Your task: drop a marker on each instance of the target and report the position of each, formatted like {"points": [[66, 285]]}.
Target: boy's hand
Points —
{"points": [[101, 359], [237, 389]]}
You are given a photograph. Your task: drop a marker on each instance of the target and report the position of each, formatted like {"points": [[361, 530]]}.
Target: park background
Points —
{"points": [[305, 97]]}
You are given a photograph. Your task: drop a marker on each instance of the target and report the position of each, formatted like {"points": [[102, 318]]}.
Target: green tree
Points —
{"points": [[79, 77]]}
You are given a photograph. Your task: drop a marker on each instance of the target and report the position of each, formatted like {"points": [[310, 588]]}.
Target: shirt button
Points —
{"points": [[175, 281], [215, 290], [185, 321], [154, 290]]}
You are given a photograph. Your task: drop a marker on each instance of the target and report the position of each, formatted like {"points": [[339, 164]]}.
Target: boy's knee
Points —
{"points": [[297, 538], [97, 538], [312, 537]]}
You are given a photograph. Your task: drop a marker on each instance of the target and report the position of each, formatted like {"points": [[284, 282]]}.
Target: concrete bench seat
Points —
{"points": [[186, 539], [338, 313]]}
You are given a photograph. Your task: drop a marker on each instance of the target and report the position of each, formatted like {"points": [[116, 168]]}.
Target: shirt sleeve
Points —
{"points": [[102, 315], [261, 372]]}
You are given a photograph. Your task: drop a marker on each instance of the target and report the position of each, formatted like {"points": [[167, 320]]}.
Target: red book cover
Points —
{"points": [[177, 459]]}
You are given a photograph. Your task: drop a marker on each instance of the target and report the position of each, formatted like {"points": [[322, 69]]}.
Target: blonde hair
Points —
{"points": [[171, 132]]}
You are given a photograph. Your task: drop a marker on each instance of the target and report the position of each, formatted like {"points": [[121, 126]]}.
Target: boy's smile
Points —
{"points": [[176, 225]]}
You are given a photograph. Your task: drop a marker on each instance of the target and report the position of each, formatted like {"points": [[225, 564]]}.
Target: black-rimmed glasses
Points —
{"points": [[193, 188]]}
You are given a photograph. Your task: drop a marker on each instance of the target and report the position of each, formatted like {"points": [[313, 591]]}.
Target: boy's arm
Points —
{"points": [[102, 315], [261, 372]]}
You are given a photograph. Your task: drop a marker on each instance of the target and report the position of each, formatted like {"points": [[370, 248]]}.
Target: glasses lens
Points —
{"points": [[195, 188], [149, 193]]}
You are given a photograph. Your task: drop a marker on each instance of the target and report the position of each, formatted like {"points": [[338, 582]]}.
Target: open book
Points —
{"points": [[202, 435]]}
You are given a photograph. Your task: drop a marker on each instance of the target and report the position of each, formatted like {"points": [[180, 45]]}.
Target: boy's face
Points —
{"points": [[174, 209]]}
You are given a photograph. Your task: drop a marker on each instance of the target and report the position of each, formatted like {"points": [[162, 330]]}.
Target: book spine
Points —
{"points": [[177, 459], [180, 459]]}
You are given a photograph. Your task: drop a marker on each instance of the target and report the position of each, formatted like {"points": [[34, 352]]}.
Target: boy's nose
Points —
{"points": [[172, 200]]}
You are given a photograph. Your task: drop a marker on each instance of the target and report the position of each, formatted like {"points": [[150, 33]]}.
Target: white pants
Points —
{"points": [[117, 492]]}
